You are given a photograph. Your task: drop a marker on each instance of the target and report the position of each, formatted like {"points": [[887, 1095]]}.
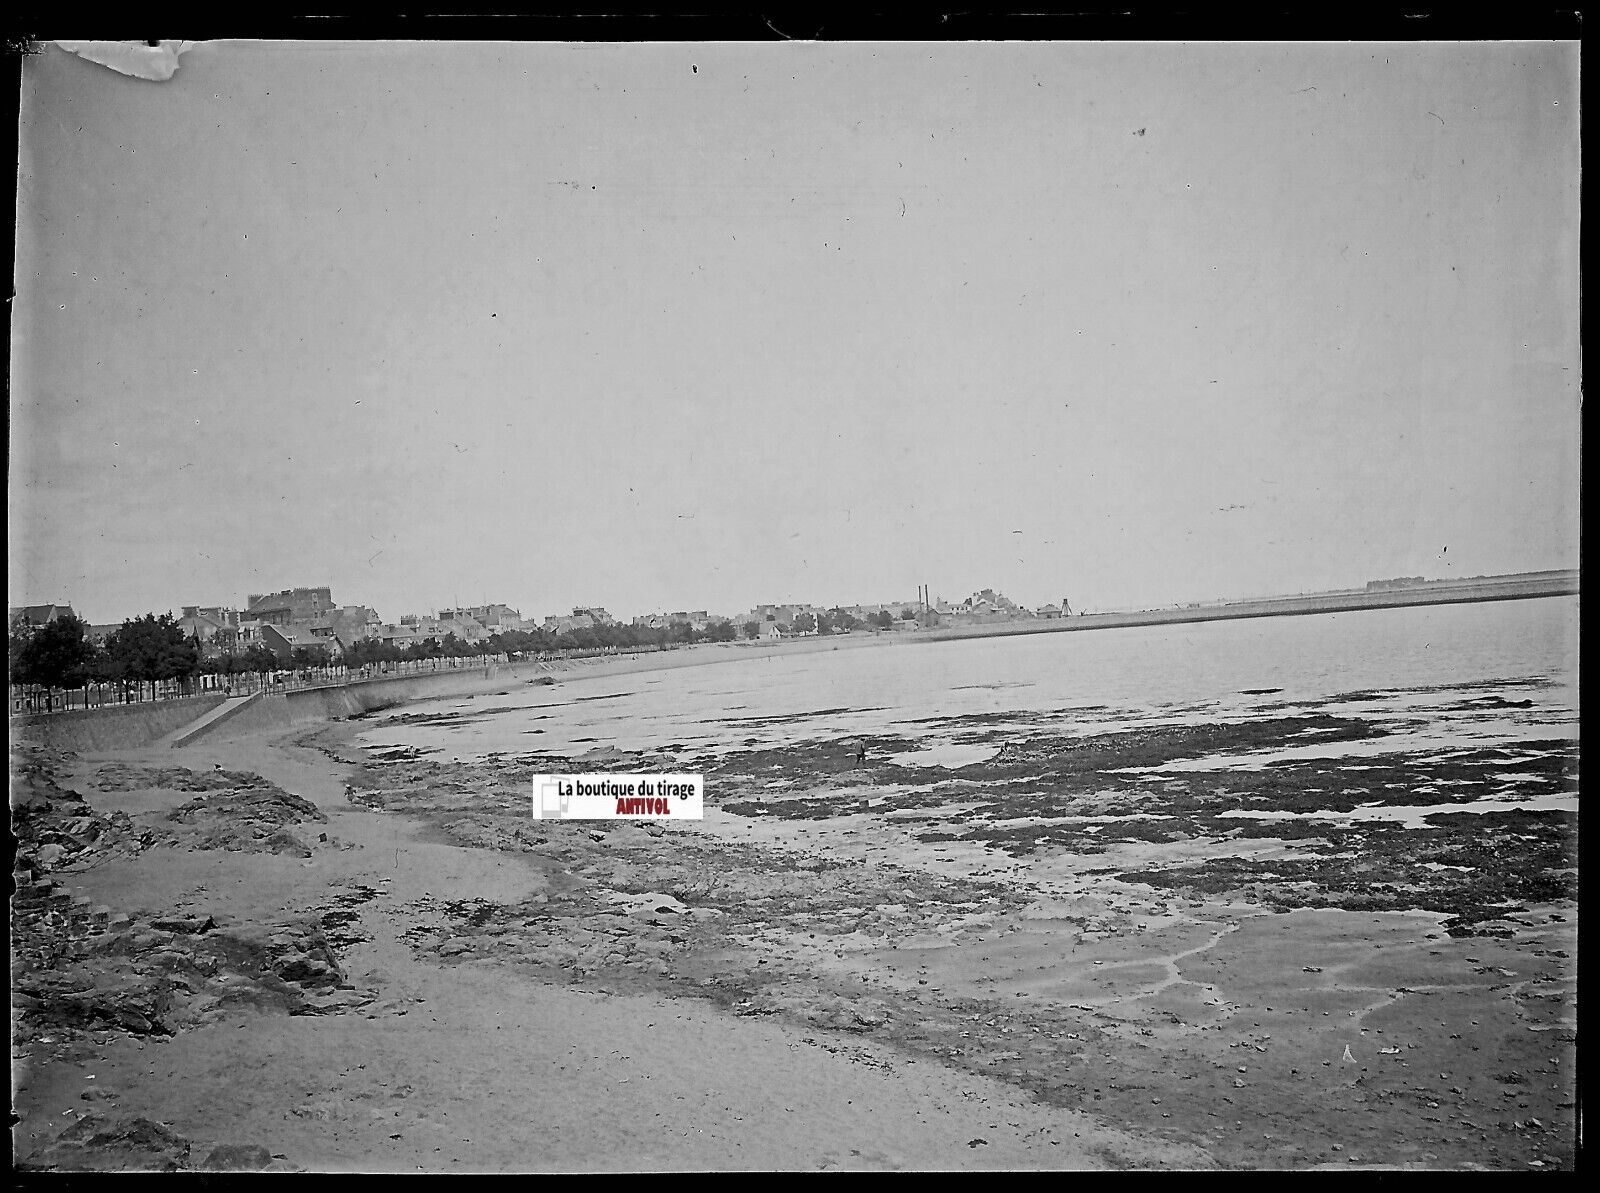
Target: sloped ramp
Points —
{"points": [[230, 707]]}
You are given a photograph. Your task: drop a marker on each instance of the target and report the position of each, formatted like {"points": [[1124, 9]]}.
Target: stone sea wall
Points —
{"points": [[117, 727], [312, 705]]}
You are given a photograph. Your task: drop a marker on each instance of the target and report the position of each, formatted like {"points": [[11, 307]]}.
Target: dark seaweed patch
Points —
{"points": [[1513, 858]]}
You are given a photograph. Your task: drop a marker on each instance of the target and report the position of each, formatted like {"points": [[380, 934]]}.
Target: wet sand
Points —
{"points": [[465, 1064], [1063, 955]]}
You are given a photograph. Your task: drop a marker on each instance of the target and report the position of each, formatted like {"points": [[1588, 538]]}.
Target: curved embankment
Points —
{"points": [[134, 725], [131, 726], [313, 705], [119, 727]]}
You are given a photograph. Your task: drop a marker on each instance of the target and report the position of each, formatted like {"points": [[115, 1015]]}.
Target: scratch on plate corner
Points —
{"points": [[136, 59]]}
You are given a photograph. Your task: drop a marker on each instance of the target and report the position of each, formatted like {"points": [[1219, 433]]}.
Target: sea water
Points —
{"points": [[1444, 675]]}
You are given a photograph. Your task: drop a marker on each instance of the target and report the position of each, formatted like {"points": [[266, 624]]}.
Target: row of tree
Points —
{"points": [[60, 654], [837, 621], [608, 637], [621, 637], [154, 649], [150, 649]]}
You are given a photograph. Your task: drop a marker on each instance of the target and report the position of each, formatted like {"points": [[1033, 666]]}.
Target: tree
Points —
{"points": [[56, 655], [105, 669], [513, 642], [152, 649], [258, 659], [804, 623], [424, 648], [880, 619], [720, 631], [751, 629], [307, 658], [18, 635], [371, 651], [841, 620]]}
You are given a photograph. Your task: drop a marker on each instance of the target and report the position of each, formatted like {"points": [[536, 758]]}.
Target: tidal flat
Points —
{"points": [[1279, 934], [1202, 930]]}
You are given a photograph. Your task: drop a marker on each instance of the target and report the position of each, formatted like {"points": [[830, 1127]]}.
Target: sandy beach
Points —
{"points": [[319, 959]]}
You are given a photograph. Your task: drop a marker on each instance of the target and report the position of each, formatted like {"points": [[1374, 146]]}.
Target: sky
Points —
{"points": [[695, 326]]}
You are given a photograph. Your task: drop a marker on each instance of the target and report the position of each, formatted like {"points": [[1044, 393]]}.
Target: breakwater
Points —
{"points": [[1439, 592]]}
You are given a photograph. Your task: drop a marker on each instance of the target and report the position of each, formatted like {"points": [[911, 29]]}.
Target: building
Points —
{"points": [[992, 602], [462, 624], [583, 617], [34, 616], [492, 617], [292, 605], [697, 620], [784, 615], [283, 641], [895, 609], [222, 614], [402, 635], [984, 607], [351, 623], [215, 627], [558, 624]]}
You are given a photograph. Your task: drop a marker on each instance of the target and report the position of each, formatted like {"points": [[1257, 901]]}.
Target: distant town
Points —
{"points": [[304, 632], [308, 619]]}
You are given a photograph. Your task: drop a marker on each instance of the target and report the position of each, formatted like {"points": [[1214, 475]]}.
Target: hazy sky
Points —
{"points": [[695, 326]]}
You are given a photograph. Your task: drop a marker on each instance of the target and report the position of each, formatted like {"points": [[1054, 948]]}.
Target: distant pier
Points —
{"points": [[1518, 587]]}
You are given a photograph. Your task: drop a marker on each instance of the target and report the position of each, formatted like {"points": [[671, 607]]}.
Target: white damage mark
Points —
{"points": [[137, 59]]}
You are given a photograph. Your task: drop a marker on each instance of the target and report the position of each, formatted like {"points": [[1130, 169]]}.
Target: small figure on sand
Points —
{"points": [[861, 752]]}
